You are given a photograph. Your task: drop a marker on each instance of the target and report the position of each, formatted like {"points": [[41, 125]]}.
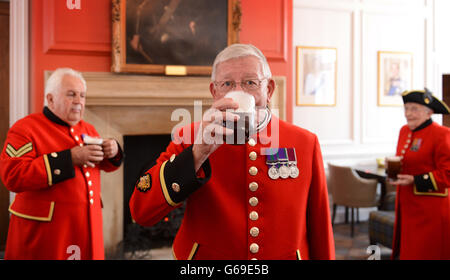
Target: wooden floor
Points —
{"points": [[347, 248], [355, 248]]}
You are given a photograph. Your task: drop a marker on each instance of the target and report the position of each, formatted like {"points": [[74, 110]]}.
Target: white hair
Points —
{"points": [[241, 50], [53, 83]]}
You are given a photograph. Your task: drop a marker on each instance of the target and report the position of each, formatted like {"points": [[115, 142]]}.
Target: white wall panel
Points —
{"points": [[385, 32], [357, 128], [322, 28]]}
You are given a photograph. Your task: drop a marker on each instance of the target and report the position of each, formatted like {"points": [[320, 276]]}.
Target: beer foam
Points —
{"points": [[246, 101], [393, 158]]}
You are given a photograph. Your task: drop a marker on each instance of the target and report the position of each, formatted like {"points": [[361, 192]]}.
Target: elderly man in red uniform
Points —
{"points": [[263, 199], [56, 213], [422, 225]]}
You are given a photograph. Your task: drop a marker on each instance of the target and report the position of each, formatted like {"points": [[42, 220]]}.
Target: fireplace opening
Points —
{"points": [[141, 152]]}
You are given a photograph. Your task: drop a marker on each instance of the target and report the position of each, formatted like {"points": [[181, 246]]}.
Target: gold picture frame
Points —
{"points": [[395, 75], [316, 81], [176, 37]]}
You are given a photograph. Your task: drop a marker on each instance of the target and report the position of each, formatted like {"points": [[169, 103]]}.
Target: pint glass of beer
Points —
{"points": [[393, 167], [245, 126]]}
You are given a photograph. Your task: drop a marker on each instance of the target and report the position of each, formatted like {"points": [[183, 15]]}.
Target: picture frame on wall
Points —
{"points": [[316, 76], [171, 37], [395, 75]]}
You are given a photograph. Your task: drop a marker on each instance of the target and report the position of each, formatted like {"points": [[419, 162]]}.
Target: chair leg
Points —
{"points": [[351, 234], [357, 215], [346, 214], [334, 214]]}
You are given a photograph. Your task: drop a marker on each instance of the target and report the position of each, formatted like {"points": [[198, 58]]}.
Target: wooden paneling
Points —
{"points": [[80, 38], [4, 112], [77, 28], [268, 26], [265, 26], [63, 37], [446, 96]]}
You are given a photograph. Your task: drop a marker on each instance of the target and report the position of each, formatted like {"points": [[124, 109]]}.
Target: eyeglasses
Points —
{"points": [[249, 85]]}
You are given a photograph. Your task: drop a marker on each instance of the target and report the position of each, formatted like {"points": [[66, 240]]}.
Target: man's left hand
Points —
{"points": [[110, 148], [403, 180]]}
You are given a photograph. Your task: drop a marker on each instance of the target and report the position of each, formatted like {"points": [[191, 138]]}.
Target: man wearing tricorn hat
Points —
{"points": [[422, 225]]}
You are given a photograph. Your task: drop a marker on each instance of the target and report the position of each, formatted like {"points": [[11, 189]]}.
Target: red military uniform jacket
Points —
{"points": [[422, 226], [234, 210], [56, 213]]}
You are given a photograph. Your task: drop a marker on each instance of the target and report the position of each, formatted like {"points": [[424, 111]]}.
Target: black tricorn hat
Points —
{"points": [[425, 98]]}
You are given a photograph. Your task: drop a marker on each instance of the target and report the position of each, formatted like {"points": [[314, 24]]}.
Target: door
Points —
{"points": [[446, 97], [4, 112]]}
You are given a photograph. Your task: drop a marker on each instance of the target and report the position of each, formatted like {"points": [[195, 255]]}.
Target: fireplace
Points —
{"points": [[125, 105]]}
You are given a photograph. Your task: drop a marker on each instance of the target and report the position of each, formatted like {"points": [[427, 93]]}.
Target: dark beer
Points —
{"points": [[393, 167], [245, 126], [242, 128]]}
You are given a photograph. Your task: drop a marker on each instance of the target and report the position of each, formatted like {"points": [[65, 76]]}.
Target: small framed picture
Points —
{"points": [[316, 76], [394, 77]]}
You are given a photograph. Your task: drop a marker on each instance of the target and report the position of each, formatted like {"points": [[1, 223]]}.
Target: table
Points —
{"points": [[372, 171]]}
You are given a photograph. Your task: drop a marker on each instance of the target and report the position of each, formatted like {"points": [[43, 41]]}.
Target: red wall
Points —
{"points": [[81, 39]]}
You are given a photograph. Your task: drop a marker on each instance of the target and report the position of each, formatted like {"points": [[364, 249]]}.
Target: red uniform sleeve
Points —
{"points": [[320, 231], [22, 169], [442, 159], [437, 180], [167, 184]]}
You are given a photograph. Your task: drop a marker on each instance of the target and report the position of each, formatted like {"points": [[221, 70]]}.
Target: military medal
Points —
{"points": [[415, 146], [283, 159], [292, 157], [273, 173], [272, 160]]}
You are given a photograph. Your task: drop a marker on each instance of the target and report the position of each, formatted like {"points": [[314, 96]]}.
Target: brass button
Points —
{"points": [[172, 158], [408, 141], [254, 259], [54, 155], [403, 151], [81, 144], [254, 216], [253, 171], [253, 186], [77, 138], [57, 172], [176, 187], [91, 201], [72, 130], [406, 146], [426, 176], [254, 231], [254, 248], [90, 183], [252, 142], [87, 174], [253, 155], [85, 166], [253, 201], [91, 193]]}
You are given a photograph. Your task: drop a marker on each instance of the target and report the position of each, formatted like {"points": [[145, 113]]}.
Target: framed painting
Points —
{"points": [[395, 75], [316, 76], [172, 37]]}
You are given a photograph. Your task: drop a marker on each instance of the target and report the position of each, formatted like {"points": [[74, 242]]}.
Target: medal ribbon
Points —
{"points": [[292, 157], [282, 155]]}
